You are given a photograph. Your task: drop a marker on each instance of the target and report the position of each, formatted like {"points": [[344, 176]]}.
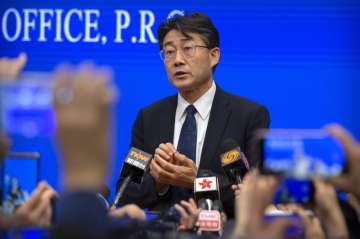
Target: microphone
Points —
{"points": [[210, 218], [207, 204], [206, 186], [233, 161], [134, 168], [217, 206], [206, 192], [203, 204]]}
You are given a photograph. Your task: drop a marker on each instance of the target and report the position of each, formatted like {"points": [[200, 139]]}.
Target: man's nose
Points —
{"points": [[179, 58]]}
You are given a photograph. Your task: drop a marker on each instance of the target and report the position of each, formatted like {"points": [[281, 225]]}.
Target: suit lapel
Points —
{"points": [[219, 116], [166, 124]]}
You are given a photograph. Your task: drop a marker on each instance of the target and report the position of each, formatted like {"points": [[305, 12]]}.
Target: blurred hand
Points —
{"points": [[254, 197], [130, 210], [237, 192], [11, 68], [4, 145], [189, 214], [174, 169], [355, 203], [237, 189], [82, 100], [350, 181], [36, 211], [328, 210], [311, 224]]}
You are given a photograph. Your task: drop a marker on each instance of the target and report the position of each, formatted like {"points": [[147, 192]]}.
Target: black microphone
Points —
{"points": [[202, 204], [206, 192], [134, 168], [214, 205], [233, 161], [206, 186], [217, 206]]}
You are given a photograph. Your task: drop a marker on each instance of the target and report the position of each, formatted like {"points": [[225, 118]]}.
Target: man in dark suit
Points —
{"points": [[185, 131]]}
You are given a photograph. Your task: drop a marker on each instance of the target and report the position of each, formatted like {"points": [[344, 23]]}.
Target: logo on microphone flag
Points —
{"points": [[206, 184], [230, 156], [209, 220]]}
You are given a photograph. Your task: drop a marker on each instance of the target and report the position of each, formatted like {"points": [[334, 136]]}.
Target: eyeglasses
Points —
{"points": [[187, 51]]}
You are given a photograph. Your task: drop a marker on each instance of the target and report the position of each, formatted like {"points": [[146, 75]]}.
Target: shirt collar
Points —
{"points": [[202, 105]]}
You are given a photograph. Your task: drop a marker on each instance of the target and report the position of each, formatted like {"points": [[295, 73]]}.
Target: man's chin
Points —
{"points": [[182, 85]]}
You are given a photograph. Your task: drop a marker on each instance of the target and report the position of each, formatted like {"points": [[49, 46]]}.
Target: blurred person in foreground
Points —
{"points": [[255, 194], [10, 68], [82, 100], [349, 181], [36, 211]]}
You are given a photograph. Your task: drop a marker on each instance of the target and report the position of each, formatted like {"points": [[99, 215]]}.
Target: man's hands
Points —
{"points": [[170, 167]]}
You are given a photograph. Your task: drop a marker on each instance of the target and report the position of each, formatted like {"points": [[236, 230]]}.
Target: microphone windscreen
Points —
{"points": [[202, 173], [203, 204], [217, 206], [228, 144]]}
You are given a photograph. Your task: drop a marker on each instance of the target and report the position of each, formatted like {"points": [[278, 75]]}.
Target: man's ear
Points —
{"points": [[214, 56]]}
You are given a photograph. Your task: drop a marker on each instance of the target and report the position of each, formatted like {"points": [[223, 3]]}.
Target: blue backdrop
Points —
{"points": [[299, 58]]}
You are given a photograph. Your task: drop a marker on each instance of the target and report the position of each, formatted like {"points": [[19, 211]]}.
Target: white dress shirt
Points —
{"points": [[203, 106]]}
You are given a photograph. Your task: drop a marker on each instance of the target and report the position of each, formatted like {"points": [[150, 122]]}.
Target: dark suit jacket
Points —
{"points": [[230, 117]]}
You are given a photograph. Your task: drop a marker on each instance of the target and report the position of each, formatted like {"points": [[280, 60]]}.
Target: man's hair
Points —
{"points": [[190, 23]]}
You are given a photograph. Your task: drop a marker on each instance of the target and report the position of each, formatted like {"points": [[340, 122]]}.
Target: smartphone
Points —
{"points": [[19, 177], [301, 154], [297, 191], [27, 105], [295, 231]]}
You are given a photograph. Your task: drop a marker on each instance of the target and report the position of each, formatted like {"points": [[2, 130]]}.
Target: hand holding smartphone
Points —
{"points": [[297, 156], [19, 178]]}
